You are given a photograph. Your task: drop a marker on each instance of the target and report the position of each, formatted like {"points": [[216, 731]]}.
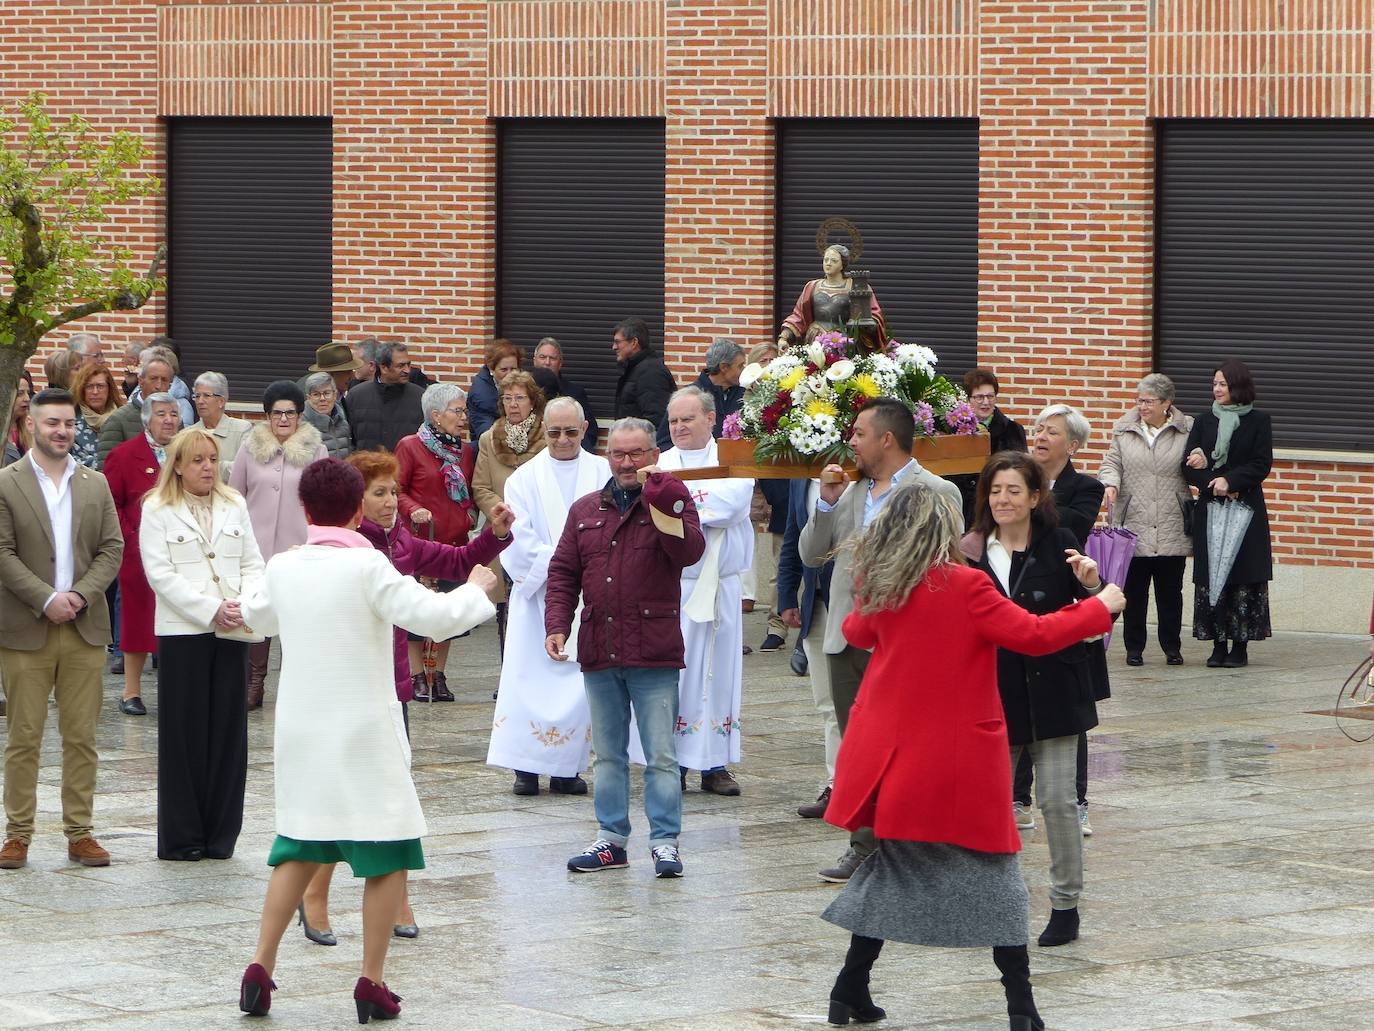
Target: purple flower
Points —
{"points": [[730, 429], [925, 418], [962, 419]]}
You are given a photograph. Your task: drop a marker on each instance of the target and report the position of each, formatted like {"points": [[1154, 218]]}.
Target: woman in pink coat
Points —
{"points": [[267, 472], [925, 761]]}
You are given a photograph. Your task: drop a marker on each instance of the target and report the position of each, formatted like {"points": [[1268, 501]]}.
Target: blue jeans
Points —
{"points": [[653, 693]]}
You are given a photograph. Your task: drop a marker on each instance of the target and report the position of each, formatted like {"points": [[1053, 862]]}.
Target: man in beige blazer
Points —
{"points": [[882, 438], [60, 547]]}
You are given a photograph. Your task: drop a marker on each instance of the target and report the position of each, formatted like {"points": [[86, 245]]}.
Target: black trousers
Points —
{"points": [[202, 745], [1024, 775], [1166, 572]]}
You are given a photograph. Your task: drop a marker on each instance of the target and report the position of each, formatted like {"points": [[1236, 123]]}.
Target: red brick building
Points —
{"points": [[1089, 263]]}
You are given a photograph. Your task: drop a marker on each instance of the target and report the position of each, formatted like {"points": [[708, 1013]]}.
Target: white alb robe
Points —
{"points": [[710, 685], [542, 723]]}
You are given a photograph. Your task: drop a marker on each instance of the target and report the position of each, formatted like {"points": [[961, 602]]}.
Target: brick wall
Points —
{"points": [[1065, 91]]}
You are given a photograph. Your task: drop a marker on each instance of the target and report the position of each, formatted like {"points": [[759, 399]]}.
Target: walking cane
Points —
{"points": [[429, 650]]}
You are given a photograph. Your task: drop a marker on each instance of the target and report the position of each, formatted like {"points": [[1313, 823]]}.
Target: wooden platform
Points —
{"points": [[944, 456]]}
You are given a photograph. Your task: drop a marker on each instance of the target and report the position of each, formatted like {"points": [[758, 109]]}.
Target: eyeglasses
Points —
{"points": [[562, 431], [1149, 401], [511, 399], [320, 395], [289, 414], [983, 398], [200, 395], [637, 455], [456, 411]]}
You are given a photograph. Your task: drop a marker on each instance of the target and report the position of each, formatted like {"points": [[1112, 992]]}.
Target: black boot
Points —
{"points": [[1062, 928], [849, 999], [1014, 964], [1238, 656], [1218, 657]]}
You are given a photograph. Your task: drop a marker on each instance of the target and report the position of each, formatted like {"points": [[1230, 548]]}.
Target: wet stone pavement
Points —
{"points": [[1230, 882]]}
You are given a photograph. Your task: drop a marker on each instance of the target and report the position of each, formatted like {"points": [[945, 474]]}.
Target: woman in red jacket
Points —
{"points": [[435, 481], [925, 761]]}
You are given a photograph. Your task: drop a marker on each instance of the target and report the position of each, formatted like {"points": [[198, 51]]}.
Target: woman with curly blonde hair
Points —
{"points": [[925, 761]]}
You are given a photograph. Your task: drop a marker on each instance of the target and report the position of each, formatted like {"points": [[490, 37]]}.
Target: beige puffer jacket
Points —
{"points": [[1149, 482]]}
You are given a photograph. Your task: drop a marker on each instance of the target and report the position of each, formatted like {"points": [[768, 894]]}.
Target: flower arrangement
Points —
{"points": [[802, 405]]}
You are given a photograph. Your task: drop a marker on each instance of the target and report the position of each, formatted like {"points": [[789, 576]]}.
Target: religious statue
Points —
{"points": [[841, 297]]}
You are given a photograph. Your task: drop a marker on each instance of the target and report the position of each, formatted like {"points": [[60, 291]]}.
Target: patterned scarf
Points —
{"points": [[449, 451], [518, 433]]}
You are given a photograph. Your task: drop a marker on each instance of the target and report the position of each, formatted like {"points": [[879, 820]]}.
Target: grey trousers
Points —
{"points": [[846, 674], [819, 675], [1055, 762]]}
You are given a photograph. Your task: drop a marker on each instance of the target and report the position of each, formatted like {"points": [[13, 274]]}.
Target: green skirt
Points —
{"points": [[365, 858]]}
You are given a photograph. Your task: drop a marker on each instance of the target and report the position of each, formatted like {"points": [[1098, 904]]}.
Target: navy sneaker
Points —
{"points": [[667, 861], [772, 643], [602, 855]]}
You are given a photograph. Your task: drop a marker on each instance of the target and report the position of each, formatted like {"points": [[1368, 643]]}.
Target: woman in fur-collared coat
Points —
{"points": [[267, 472]]}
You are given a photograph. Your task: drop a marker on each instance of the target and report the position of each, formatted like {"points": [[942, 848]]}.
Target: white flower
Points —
{"points": [[750, 375], [914, 354], [841, 370], [814, 434], [815, 354]]}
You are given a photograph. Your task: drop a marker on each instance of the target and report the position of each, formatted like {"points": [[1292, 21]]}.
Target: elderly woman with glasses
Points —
{"points": [[1004, 433], [435, 477], [210, 393], [1146, 493], [325, 412], [267, 472]]}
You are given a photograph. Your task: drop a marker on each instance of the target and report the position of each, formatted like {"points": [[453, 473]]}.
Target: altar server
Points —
{"points": [[707, 733], [542, 724]]}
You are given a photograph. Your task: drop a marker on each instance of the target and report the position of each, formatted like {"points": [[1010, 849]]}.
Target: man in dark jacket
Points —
{"points": [[548, 354], [720, 379], [380, 413], [623, 550], [645, 383]]}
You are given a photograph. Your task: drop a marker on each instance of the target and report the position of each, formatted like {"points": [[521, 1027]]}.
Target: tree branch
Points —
{"points": [[116, 300], [35, 258]]}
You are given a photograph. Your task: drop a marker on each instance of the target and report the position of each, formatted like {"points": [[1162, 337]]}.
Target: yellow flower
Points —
{"points": [[790, 381], [866, 385], [821, 407]]}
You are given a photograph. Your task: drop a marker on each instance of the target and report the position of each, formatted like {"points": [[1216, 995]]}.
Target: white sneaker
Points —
{"points": [[1025, 817], [1083, 823]]}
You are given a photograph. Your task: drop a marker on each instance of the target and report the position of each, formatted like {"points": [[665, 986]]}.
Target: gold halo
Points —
{"points": [[856, 240]]}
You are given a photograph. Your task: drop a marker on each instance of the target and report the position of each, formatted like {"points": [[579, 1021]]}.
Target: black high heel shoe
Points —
{"points": [[375, 1000], [313, 933], [850, 998], [842, 1013]]}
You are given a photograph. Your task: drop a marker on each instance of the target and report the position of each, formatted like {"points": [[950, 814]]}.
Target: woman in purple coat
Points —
{"points": [[414, 557]]}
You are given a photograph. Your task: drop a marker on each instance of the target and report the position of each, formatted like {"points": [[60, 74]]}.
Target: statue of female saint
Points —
{"points": [[824, 303]]}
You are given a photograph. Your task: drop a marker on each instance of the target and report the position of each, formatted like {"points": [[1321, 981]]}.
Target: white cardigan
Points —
{"points": [[342, 760], [180, 563]]}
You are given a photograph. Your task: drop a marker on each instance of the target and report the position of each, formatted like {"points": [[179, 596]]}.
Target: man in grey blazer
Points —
{"points": [[881, 439], [60, 547]]}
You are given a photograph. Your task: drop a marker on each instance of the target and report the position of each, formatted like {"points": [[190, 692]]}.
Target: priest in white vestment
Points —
{"points": [[709, 688], [542, 725]]}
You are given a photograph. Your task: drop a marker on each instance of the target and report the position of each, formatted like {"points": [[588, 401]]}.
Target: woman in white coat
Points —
{"points": [[342, 761], [199, 554]]}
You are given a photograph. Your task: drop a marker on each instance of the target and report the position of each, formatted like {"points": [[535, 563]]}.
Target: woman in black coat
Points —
{"points": [[1228, 454], [1048, 701], [1004, 433]]}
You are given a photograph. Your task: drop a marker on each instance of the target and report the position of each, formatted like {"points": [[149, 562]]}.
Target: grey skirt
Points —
{"points": [[933, 894]]}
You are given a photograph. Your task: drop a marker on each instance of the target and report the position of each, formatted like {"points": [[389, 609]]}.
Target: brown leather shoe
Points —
{"points": [[722, 783], [14, 855], [87, 852], [815, 810]]}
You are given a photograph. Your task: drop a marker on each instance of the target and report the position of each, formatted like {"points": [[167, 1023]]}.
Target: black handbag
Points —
{"points": [[1189, 507]]}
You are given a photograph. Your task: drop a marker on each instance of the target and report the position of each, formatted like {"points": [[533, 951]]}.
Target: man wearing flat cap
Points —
{"points": [[623, 550]]}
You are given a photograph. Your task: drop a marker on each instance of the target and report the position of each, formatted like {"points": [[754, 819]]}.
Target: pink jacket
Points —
{"points": [[416, 557], [268, 475]]}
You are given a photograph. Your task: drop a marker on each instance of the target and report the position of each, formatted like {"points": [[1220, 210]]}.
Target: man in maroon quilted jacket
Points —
{"points": [[623, 551]]}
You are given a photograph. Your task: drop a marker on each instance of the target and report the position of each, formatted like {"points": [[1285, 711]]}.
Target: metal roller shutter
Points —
{"points": [[580, 239], [1265, 252], [250, 259], [911, 187]]}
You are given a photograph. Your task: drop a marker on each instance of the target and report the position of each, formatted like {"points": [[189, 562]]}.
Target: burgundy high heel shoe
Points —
{"points": [[255, 992], [375, 1000]]}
